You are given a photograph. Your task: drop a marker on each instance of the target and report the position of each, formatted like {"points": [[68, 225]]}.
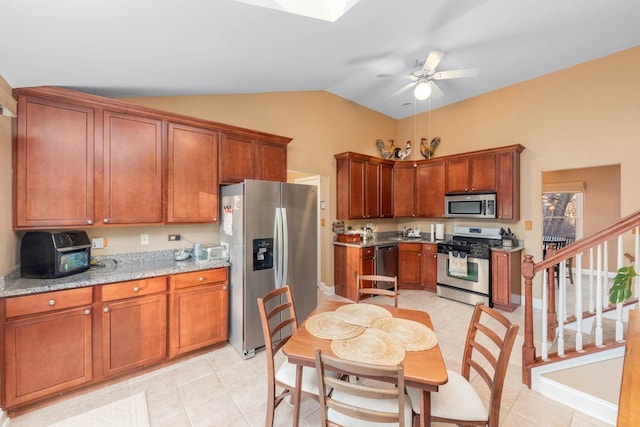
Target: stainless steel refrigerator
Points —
{"points": [[271, 232]]}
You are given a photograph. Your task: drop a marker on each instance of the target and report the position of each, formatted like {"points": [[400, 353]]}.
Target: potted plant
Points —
{"points": [[621, 289]]}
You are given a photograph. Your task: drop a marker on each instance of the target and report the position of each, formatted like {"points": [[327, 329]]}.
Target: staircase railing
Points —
{"points": [[561, 306]]}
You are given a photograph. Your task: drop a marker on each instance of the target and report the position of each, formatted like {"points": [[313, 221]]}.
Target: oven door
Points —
{"points": [[476, 280]]}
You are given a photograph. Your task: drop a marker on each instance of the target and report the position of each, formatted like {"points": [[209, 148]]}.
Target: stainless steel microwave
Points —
{"points": [[470, 205]]}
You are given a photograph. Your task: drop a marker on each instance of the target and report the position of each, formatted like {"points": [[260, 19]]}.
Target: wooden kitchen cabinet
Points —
{"points": [[192, 177], [508, 184], [198, 310], [271, 160], [350, 261], [404, 189], [134, 324], [430, 189], [82, 160], [47, 344], [410, 266], [506, 279], [245, 157], [386, 190], [361, 191], [475, 173], [132, 169], [429, 268], [54, 163]]}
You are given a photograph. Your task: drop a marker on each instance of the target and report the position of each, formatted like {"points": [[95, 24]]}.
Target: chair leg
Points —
{"points": [[271, 405], [570, 269]]}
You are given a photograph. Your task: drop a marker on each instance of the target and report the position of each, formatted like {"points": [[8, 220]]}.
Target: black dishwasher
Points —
{"points": [[386, 262]]}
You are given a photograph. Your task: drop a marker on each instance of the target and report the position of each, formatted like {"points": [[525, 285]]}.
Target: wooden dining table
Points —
{"points": [[424, 370]]}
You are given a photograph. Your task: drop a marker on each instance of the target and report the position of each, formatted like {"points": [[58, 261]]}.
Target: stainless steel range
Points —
{"points": [[464, 264]]}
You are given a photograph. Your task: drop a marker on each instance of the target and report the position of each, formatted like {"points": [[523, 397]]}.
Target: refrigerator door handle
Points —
{"points": [[277, 234], [285, 247]]}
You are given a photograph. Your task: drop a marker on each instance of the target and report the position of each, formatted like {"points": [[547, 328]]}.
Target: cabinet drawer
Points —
{"points": [[48, 301], [411, 247], [430, 248], [134, 288], [367, 252], [187, 280]]}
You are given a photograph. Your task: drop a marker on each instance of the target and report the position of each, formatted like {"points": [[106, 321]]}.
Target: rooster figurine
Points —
{"points": [[385, 152], [403, 154], [427, 151]]}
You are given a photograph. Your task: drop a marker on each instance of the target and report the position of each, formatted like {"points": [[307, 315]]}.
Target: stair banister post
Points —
{"points": [[552, 319], [528, 349]]}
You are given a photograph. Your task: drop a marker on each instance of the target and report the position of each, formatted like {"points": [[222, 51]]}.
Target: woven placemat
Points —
{"points": [[328, 326], [413, 335], [361, 314], [372, 346]]}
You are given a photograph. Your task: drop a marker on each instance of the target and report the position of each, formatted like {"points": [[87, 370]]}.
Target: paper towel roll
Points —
{"points": [[439, 231], [432, 235]]}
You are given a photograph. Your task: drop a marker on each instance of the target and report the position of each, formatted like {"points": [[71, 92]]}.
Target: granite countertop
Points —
{"points": [[387, 239], [108, 269]]}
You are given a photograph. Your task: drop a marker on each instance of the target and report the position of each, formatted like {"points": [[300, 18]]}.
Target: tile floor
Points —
{"points": [[219, 388]]}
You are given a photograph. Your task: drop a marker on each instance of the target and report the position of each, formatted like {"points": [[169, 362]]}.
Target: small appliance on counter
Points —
{"points": [[49, 254]]}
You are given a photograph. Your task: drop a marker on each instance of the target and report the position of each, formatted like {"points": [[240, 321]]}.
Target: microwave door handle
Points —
{"points": [[484, 207]]}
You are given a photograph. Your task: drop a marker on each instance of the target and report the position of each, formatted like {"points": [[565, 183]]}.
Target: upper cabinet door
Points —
{"points": [[386, 190], [430, 189], [272, 161], [236, 158], [132, 173], [192, 179], [54, 154], [404, 189]]}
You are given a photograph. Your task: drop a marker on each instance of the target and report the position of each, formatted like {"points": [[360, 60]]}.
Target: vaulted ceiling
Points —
{"points": [[119, 48]]}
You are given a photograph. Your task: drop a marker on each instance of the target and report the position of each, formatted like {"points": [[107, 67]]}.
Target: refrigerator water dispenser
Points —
{"points": [[262, 254]]}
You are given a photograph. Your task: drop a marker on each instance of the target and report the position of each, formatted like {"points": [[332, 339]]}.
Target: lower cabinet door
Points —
{"points": [[47, 354], [198, 317], [134, 333]]}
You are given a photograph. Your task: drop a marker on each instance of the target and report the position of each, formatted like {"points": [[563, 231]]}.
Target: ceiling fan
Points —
{"points": [[422, 79]]}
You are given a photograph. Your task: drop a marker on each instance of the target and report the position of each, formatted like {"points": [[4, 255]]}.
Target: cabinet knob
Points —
{"points": [[201, 278], [106, 220], [52, 302], [87, 311], [89, 222], [136, 289], [106, 309]]}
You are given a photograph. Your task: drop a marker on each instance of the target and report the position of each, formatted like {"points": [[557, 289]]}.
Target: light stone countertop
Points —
{"points": [[109, 269]]}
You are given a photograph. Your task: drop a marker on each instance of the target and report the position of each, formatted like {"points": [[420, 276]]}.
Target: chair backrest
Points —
{"points": [[277, 313], [368, 279], [372, 389], [490, 339]]}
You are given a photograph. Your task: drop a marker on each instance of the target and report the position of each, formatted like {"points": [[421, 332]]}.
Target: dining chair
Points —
{"points": [[363, 402], [371, 291], [278, 317], [487, 350]]}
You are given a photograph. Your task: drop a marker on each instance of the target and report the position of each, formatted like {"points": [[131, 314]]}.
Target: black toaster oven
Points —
{"points": [[49, 254]]}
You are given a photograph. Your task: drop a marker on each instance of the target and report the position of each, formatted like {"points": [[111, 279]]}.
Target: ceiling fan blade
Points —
{"points": [[432, 61], [397, 76], [455, 74], [435, 90], [402, 89]]}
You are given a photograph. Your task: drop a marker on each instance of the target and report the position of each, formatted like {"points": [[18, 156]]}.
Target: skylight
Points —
{"points": [[327, 10]]}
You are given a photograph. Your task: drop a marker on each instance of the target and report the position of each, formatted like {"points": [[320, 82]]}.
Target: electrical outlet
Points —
{"points": [[174, 237], [528, 225], [97, 243], [144, 239]]}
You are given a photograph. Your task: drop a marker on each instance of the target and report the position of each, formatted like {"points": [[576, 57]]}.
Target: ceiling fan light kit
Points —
{"points": [[423, 80], [422, 90]]}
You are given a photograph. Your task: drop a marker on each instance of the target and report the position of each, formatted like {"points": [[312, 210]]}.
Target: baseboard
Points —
{"points": [[580, 401], [597, 408]]}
